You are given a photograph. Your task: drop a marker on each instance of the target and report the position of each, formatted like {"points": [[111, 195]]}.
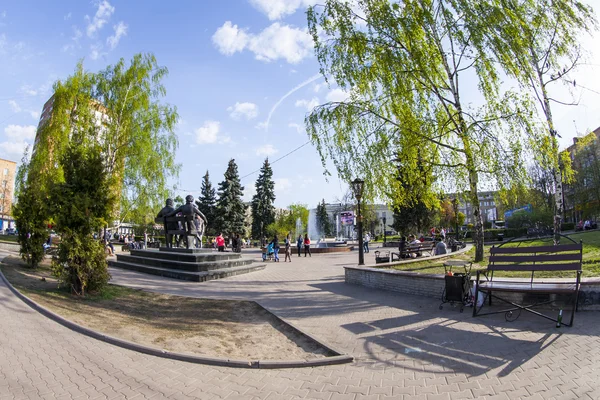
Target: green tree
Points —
{"points": [[287, 221], [263, 211], [404, 65], [30, 213], [541, 39], [413, 218], [207, 203], [231, 210], [120, 108], [323, 222], [81, 204], [586, 186], [178, 201]]}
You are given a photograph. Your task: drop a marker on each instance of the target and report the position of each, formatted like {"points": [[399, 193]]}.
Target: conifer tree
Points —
{"points": [[207, 203], [323, 219], [263, 212], [231, 210]]}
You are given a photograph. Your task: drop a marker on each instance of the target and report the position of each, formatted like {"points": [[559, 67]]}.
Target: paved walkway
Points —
{"points": [[405, 348]]}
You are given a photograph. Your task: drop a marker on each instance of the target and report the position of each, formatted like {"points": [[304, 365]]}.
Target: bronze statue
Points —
{"points": [[192, 212], [171, 225]]}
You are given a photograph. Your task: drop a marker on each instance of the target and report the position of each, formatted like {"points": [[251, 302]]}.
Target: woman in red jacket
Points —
{"points": [[306, 245]]}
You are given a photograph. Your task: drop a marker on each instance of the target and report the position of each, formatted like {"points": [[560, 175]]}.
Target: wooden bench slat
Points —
{"points": [[536, 249], [536, 258], [535, 267], [504, 286]]}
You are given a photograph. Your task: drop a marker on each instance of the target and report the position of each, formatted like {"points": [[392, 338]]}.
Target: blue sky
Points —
{"points": [[242, 74]]}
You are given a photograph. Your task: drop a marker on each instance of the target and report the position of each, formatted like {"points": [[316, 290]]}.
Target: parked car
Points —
{"points": [[10, 231]]}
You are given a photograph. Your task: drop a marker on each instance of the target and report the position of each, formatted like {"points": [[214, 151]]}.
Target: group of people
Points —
{"points": [[412, 243], [273, 247]]}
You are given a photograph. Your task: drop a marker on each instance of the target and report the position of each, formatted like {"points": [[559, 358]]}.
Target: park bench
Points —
{"points": [[531, 259], [382, 257], [421, 248]]}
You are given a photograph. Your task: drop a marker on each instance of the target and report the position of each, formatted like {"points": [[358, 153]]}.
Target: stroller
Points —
{"points": [[268, 252]]}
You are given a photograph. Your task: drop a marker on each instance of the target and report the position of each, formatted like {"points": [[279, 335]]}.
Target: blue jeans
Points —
{"points": [[366, 246], [276, 254]]}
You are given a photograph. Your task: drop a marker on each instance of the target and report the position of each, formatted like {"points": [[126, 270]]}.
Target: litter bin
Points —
{"points": [[500, 237]]}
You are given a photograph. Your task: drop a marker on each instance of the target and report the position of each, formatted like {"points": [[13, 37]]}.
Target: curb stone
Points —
{"points": [[267, 364]]}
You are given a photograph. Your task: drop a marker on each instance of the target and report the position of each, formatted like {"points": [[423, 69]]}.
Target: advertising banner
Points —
{"points": [[347, 218]]}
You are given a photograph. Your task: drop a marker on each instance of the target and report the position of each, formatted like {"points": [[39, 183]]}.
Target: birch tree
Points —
{"points": [[408, 67]]}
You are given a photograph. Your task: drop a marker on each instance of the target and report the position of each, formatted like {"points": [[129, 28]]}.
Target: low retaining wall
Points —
{"points": [[431, 285]]}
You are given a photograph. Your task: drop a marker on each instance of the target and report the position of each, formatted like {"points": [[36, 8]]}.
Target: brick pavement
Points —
{"points": [[405, 348]]}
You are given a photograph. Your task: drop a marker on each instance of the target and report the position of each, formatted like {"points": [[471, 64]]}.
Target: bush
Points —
{"points": [[567, 226], [81, 264]]}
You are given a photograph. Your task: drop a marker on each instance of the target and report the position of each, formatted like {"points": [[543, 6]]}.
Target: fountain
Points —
{"points": [[320, 244]]}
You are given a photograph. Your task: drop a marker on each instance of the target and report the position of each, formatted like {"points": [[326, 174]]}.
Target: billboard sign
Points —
{"points": [[509, 213], [347, 218]]}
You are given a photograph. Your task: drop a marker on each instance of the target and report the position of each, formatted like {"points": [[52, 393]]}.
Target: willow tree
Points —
{"points": [[542, 39], [409, 68], [120, 109]]}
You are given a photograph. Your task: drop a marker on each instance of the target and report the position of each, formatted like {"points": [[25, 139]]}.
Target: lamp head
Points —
{"points": [[358, 186]]}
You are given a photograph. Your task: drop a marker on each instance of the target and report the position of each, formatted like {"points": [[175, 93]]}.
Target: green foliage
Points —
{"points": [[207, 204], [536, 218], [263, 211], [323, 222], [586, 185], [81, 205], [285, 222], [231, 210], [540, 41], [178, 201], [403, 64], [415, 218], [30, 213]]}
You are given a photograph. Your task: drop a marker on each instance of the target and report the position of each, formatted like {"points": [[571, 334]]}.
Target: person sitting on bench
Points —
{"points": [[414, 242]]}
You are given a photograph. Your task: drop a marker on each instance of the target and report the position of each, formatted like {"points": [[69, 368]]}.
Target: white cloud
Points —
{"points": [[14, 106], [308, 104], [3, 14], [282, 185], [229, 39], [276, 9], [337, 95], [14, 148], [317, 87], [34, 114], [209, 133], [273, 43], [299, 128], [67, 17], [105, 10], [266, 150], [247, 110], [96, 51], [120, 31], [23, 132], [29, 90]]}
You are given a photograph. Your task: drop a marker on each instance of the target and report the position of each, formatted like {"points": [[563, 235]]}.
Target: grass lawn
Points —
{"points": [[591, 259]]}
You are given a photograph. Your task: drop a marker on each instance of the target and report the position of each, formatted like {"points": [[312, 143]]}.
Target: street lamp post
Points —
{"points": [[357, 188], [384, 229]]}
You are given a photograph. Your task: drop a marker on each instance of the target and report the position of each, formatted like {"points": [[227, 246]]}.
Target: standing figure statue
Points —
{"points": [[167, 210], [190, 210]]}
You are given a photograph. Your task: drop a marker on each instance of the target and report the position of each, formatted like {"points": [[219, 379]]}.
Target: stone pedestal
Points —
{"points": [[197, 265]]}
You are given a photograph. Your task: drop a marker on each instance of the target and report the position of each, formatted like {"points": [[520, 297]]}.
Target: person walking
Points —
{"points": [[220, 242], [275, 243], [307, 246], [366, 241], [299, 243], [288, 248]]}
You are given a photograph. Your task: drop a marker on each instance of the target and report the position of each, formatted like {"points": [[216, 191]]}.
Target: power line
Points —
{"points": [[280, 158]]}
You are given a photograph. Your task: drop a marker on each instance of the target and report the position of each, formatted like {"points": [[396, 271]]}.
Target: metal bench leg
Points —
{"points": [[476, 297]]}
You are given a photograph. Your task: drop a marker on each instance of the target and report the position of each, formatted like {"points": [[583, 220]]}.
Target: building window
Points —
{"points": [[5, 171], [4, 183]]}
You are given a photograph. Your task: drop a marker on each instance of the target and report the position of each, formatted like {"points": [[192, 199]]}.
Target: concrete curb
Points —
{"points": [[267, 364]]}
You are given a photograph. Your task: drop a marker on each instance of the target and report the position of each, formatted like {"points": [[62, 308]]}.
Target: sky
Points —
{"points": [[242, 74]]}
